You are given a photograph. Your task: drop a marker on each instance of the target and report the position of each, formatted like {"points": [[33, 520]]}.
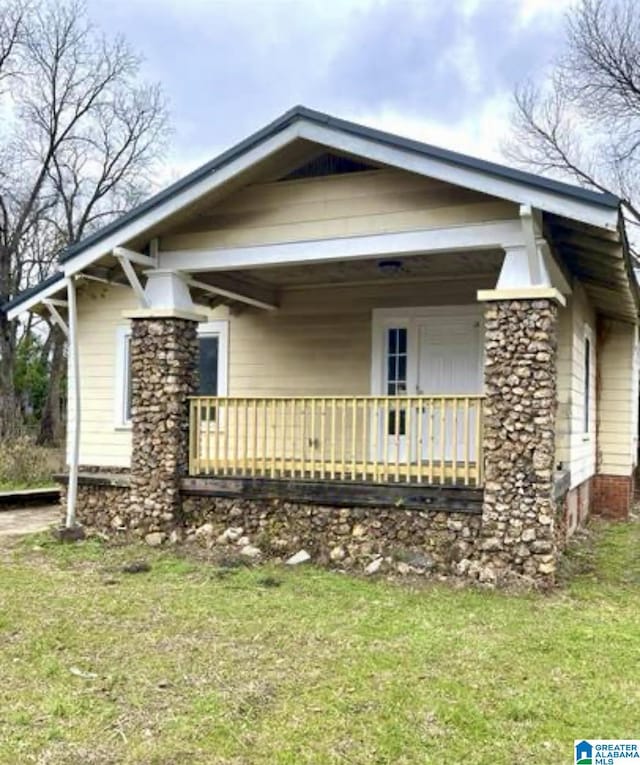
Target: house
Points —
{"points": [[335, 337]]}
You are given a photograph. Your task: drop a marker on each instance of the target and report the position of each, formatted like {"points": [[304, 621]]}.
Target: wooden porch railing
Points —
{"points": [[383, 439]]}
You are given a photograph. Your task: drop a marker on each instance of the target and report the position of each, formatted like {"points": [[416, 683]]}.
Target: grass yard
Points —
{"points": [[190, 663], [24, 465]]}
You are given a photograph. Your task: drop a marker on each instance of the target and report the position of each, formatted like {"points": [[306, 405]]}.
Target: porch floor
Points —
{"points": [[450, 498]]}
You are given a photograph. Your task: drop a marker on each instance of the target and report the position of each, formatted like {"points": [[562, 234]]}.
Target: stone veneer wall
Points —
{"points": [[164, 358], [519, 512], [419, 541], [102, 501], [516, 535]]}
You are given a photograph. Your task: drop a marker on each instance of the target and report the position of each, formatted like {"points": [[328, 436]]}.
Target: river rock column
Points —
{"points": [[164, 359], [517, 534]]}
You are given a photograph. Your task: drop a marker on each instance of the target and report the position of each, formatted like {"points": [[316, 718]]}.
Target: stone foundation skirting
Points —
{"points": [[613, 496], [435, 541], [103, 497], [429, 542]]}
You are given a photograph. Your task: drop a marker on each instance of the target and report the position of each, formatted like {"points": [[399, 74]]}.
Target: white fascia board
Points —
{"points": [[39, 297], [469, 178], [481, 236], [181, 199]]}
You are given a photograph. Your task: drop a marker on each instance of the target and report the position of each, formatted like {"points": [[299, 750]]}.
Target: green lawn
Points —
{"points": [[195, 664]]}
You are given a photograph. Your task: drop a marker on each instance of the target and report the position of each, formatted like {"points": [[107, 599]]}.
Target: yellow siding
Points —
{"points": [[612, 445], [575, 449], [99, 315], [318, 343], [565, 369], [617, 411], [381, 201]]}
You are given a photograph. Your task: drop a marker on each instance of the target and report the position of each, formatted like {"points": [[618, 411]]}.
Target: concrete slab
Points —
{"points": [[28, 520]]}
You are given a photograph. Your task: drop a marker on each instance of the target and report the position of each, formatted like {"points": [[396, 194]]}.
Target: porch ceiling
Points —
{"points": [[597, 258], [430, 267]]}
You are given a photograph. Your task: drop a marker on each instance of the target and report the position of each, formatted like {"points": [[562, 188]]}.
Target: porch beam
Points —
{"points": [[480, 236], [55, 315], [537, 272], [134, 281], [134, 257], [544, 270], [228, 287]]}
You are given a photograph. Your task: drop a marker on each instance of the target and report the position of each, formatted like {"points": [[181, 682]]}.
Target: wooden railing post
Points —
{"points": [[433, 439]]}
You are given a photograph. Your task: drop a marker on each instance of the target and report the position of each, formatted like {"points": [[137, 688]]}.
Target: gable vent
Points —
{"points": [[327, 164]]}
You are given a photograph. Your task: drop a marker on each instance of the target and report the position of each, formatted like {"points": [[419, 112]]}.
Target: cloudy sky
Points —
{"points": [[437, 70]]}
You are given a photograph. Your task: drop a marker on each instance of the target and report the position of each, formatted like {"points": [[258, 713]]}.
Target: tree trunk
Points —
{"points": [[51, 430], [9, 418]]}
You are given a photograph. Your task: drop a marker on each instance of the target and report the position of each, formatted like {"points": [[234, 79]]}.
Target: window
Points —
{"points": [[123, 378], [396, 376], [208, 365], [212, 367], [397, 361], [587, 384]]}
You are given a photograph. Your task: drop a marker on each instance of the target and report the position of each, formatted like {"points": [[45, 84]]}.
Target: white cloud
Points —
{"points": [[480, 134]]}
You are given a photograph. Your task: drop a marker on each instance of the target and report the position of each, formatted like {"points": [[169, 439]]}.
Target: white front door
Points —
{"points": [[449, 363], [426, 351]]}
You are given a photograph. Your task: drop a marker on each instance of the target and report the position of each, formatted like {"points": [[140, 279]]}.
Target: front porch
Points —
{"points": [[410, 440]]}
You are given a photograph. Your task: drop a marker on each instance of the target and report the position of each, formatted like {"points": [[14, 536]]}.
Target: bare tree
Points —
{"points": [[583, 124], [85, 138]]}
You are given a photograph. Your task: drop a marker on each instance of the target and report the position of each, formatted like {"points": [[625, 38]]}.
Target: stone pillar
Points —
{"points": [[517, 535], [164, 356]]}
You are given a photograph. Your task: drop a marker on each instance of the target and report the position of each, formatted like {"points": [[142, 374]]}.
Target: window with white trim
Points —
{"points": [[123, 378], [212, 366]]}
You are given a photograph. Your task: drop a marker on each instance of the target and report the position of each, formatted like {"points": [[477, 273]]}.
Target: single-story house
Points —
{"points": [[338, 338]]}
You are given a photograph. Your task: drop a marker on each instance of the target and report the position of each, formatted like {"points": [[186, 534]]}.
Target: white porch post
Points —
{"points": [[74, 377]]}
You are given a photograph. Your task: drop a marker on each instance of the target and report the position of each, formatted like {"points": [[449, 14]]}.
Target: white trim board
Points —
{"points": [[367, 148], [480, 236], [121, 378], [221, 329], [216, 179]]}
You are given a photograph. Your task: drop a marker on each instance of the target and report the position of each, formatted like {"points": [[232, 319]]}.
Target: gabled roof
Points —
{"points": [[49, 285], [301, 123], [352, 128]]}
